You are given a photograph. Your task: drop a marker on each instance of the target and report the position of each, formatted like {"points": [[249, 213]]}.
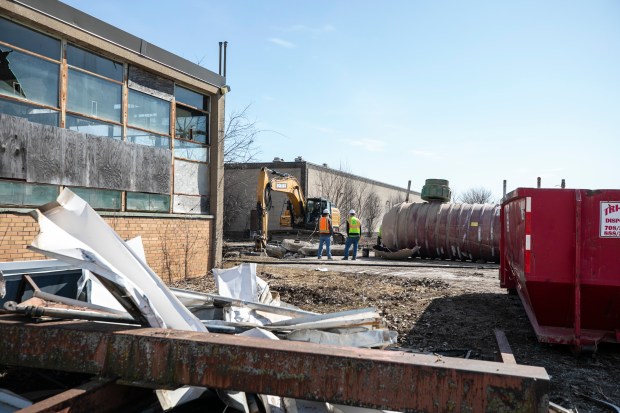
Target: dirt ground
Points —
{"points": [[448, 310]]}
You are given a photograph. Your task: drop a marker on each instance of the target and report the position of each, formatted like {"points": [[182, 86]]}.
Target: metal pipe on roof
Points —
{"points": [[225, 46], [219, 70]]}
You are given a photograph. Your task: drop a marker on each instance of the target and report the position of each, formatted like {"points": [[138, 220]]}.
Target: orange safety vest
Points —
{"points": [[354, 226], [324, 225]]}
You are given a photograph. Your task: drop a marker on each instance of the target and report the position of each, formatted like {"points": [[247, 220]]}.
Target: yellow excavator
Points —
{"points": [[299, 212]]}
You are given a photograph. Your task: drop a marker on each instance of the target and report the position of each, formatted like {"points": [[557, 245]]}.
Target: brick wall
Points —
{"points": [[176, 248]]}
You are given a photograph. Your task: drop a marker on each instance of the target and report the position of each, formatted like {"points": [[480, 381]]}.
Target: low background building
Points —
{"points": [[133, 129], [370, 199]]}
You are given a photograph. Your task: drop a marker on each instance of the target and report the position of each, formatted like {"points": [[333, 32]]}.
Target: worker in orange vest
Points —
{"points": [[325, 234]]}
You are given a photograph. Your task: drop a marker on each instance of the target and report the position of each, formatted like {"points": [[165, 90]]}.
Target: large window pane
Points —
{"points": [[100, 198], [24, 194], [28, 77], [148, 112], [94, 127], [191, 125], [32, 113], [28, 39], [137, 201], [93, 63], [147, 138], [93, 96], [191, 98], [191, 151]]}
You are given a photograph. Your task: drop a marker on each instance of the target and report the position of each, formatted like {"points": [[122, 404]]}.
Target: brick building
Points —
{"points": [[133, 129]]}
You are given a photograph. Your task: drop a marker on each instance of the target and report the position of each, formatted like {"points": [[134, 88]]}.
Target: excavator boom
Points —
{"points": [[301, 213]]}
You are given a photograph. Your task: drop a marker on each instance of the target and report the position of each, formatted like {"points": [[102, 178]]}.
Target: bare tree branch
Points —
{"points": [[478, 195], [240, 138]]}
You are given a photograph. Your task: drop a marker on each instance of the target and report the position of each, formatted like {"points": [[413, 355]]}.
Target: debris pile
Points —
{"points": [[296, 249], [118, 286]]}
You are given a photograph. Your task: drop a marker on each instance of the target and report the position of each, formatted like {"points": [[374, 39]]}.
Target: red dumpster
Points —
{"points": [[560, 250]]}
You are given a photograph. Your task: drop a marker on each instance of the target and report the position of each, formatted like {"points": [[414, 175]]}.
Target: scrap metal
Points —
{"points": [[164, 358]]}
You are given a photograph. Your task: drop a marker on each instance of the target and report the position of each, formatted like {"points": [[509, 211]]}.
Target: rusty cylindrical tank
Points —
{"points": [[445, 231]]}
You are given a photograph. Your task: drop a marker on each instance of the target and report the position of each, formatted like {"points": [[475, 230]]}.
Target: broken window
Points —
{"points": [[137, 201], [94, 127], [25, 76], [192, 125], [148, 112]]}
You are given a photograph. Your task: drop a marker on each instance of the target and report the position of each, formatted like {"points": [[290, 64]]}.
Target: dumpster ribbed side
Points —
{"points": [[444, 231]]}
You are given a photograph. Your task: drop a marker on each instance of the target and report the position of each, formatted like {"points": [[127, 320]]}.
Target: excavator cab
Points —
{"points": [[315, 209]]}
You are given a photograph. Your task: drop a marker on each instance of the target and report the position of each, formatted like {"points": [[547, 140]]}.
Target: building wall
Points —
{"points": [[146, 126], [316, 181], [176, 248]]}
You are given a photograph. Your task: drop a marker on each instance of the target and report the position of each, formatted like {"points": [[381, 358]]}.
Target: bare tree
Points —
{"points": [[478, 195], [240, 138], [372, 212], [240, 146]]}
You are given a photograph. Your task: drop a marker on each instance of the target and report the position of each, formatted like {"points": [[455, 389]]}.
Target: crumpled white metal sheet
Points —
{"points": [[71, 231]]}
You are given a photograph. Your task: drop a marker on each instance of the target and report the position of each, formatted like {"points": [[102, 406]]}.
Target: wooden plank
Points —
{"points": [[12, 148], [504, 347], [45, 154], [75, 170], [113, 164], [149, 172], [49, 155]]}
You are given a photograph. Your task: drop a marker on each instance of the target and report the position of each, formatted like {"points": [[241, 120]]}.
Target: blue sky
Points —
{"points": [[470, 91]]}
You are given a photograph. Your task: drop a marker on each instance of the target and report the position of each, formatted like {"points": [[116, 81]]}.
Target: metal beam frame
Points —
{"points": [[93, 397], [160, 358]]}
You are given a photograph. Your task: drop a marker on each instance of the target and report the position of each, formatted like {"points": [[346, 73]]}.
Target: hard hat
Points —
{"points": [[352, 212], [326, 211]]}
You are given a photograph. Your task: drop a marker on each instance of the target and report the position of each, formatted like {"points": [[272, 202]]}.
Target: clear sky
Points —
{"points": [[470, 91]]}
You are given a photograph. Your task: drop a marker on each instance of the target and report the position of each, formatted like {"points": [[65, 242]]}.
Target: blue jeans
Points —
{"points": [[327, 240], [351, 241]]}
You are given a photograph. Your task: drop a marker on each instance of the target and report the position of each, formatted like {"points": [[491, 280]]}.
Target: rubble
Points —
{"points": [[295, 249], [122, 290]]}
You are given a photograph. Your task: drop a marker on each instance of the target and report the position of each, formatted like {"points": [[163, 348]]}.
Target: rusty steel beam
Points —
{"points": [[96, 396], [361, 377]]}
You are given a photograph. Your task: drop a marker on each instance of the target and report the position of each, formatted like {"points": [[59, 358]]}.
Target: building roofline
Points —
{"points": [[299, 164], [89, 24]]}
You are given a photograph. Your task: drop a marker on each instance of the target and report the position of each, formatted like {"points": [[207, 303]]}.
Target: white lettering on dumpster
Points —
{"points": [[610, 220]]}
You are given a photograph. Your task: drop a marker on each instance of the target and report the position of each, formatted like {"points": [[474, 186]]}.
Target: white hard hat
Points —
{"points": [[326, 211], [352, 212]]}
